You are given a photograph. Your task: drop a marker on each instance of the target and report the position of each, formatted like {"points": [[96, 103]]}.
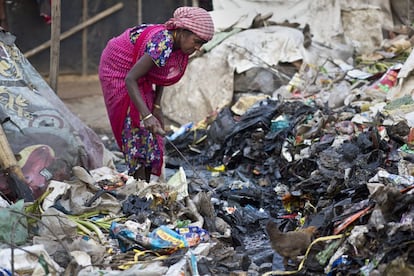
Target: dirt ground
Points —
{"points": [[83, 96]]}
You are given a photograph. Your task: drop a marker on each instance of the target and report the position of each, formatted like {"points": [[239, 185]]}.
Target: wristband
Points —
{"points": [[157, 106], [147, 117]]}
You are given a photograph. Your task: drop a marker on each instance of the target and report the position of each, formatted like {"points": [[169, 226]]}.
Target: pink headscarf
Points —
{"points": [[195, 19]]}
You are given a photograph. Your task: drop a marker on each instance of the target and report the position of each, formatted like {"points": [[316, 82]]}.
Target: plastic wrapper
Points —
{"points": [[161, 239], [194, 235]]}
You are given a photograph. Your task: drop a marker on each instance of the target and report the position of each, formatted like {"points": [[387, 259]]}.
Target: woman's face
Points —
{"points": [[190, 42]]}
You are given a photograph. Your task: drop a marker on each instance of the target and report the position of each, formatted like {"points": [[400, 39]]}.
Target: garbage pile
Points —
{"points": [[316, 179], [334, 154]]}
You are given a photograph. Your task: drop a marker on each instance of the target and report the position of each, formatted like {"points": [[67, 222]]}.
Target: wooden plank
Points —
{"points": [[14, 174], [139, 4], [85, 11], [76, 29], [55, 45], [3, 17]]}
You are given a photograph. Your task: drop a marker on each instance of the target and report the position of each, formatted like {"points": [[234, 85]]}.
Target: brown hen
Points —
{"points": [[289, 244]]}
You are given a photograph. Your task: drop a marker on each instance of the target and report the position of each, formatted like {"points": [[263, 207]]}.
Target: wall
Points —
{"points": [[31, 30]]}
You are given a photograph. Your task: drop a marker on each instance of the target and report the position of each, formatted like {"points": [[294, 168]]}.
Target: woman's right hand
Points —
{"points": [[153, 125]]}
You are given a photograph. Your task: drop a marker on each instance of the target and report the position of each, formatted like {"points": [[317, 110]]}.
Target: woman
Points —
{"points": [[134, 68]]}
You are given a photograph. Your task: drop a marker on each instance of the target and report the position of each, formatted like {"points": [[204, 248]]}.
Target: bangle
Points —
{"points": [[157, 106], [147, 117]]}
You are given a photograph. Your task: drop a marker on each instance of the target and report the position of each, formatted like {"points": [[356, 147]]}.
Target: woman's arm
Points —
{"points": [[140, 69], [157, 105], [158, 94]]}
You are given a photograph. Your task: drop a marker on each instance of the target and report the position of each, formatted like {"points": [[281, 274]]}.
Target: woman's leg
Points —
{"points": [[148, 174], [143, 173], [140, 173], [141, 151]]}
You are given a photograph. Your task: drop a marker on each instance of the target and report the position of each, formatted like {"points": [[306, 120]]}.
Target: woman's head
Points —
{"points": [[197, 21], [187, 41]]}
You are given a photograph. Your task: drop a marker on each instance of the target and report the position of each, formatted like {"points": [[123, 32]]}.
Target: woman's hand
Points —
{"points": [[153, 125]]}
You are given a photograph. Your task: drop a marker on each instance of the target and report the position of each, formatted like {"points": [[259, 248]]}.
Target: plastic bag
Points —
{"points": [[13, 224]]}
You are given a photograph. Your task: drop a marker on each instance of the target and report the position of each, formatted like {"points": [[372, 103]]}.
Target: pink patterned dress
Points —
{"points": [[140, 147]]}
